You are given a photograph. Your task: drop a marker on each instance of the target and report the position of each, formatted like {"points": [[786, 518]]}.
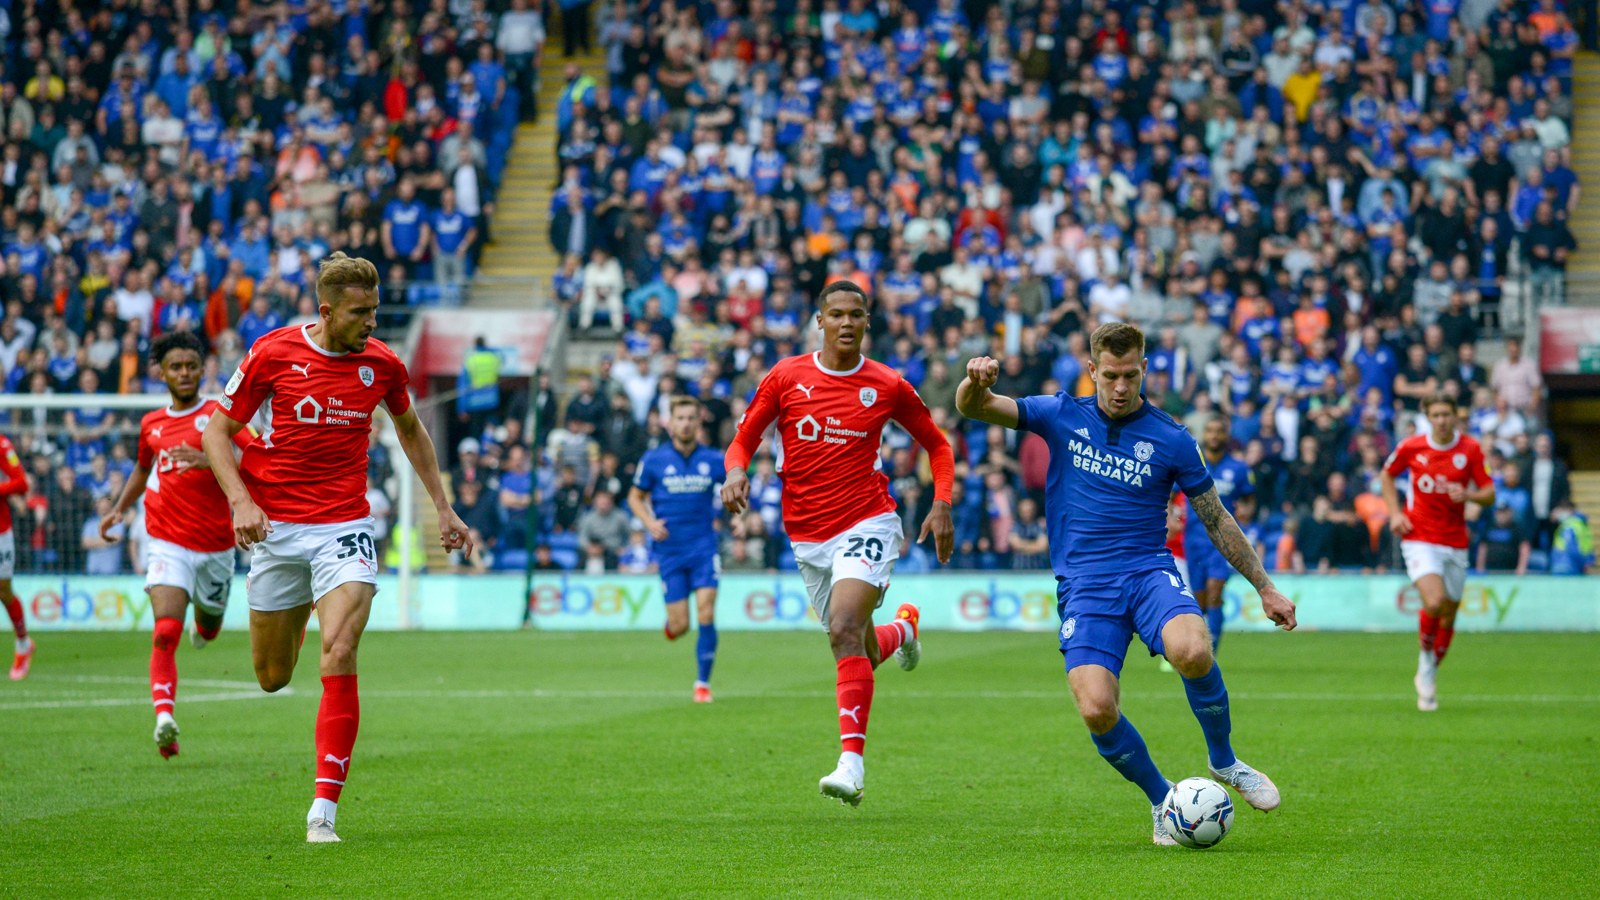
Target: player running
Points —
{"points": [[191, 532], [1447, 471], [1114, 459], [15, 484], [1208, 570], [672, 495], [299, 499], [830, 408]]}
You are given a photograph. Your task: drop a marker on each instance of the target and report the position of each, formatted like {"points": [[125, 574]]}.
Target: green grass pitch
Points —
{"points": [[574, 765]]}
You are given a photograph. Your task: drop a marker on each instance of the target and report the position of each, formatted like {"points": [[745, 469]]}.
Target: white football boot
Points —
{"points": [[1161, 838], [1426, 681], [1255, 787], [910, 652], [847, 782], [320, 831], [166, 735]]}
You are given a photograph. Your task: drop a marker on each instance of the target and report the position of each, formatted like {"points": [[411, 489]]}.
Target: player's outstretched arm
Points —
{"points": [[645, 511], [975, 401], [1399, 522], [1235, 548], [913, 415], [250, 524], [414, 440], [762, 410]]}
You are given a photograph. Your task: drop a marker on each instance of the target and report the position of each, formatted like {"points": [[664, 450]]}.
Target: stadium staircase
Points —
{"points": [[1586, 493], [520, 254], [1584, 267]]}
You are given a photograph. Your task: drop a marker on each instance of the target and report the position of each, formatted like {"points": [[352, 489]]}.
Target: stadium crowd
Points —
{"points": [[1314, 210], [183, 164]]}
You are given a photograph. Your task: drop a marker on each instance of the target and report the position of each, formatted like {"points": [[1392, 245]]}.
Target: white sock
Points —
{"points": [[854, 763], [906, 629], [322, 808], [23, 644]]}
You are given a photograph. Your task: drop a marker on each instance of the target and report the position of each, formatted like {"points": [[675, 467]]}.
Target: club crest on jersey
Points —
{"points": [[1460, 459], [1068, 627], [200, 422], [366, 375], [705, 468], [1143, 450], [869, 396]]}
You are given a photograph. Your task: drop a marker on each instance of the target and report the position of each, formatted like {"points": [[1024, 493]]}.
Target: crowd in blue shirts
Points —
{"points": [[1315, 210]]}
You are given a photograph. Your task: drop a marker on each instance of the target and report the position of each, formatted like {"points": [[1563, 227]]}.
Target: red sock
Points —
{"points": [[1427, 630], [210, 633], [164, 665], [14, 609], [855, 702], [1441, 646], [338, 718], [890, 637]]}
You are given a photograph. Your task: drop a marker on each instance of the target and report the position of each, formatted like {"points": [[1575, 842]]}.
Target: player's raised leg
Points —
{"points": [[342, 615], [1096, 691], [24, 644], [705, 651], [856, 653], [167, 604], [1186, 644]]}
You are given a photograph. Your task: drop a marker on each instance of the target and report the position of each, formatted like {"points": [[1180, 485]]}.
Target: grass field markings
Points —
{"points": [[564, 694], [144, 680], [255, 694]]}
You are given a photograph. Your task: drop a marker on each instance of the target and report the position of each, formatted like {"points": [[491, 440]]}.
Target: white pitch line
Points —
{"points": [[256, 694], [130, 679], [558, 694]]}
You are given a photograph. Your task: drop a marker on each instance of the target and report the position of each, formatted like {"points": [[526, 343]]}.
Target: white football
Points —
{"points": [[1198, 813]]}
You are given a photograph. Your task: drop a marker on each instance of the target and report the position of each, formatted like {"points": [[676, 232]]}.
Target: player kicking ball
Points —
{"points": [[830, 408], [191, 530], [299, 503], [1114, 459], [15, 484], [1447, 472], [673, 495], [1208, 569]]}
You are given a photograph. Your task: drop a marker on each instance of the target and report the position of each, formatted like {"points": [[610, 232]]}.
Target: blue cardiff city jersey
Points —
{"points": [[681, 492], [1233, 480], [1108, 483]]}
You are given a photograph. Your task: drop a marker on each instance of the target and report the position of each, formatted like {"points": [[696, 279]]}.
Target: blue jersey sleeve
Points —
{"points": [[644, 478], [1036, 414], [1189, 471]]}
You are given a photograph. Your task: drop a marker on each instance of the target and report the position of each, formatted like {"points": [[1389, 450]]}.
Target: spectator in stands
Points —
{"points": [[1516, 379], [604, 527], [1504, 545]]}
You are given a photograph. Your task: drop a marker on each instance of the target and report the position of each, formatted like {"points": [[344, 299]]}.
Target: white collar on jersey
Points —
{"points": [[816, 358], [313, 344], [188, 412], [1453, 441]]}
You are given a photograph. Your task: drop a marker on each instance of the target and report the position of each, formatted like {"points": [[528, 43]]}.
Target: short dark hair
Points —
{"points": [[843, 287], [1440, 397], [1116, 338], [176, 340]]}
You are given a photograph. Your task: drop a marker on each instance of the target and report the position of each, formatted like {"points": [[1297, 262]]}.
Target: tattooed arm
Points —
{"points": [[1235, 548]]}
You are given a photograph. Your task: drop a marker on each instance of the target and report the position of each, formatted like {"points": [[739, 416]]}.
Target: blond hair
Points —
{"points": [[682, 400], [339, 272]]}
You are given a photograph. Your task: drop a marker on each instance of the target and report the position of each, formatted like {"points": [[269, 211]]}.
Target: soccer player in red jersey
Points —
{"points": [[299, 503], [1447, 472], [15, 483], [191, 533], [830, 408]]}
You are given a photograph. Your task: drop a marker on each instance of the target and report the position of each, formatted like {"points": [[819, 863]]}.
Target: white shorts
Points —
{"points": [[1449, 563], [206, 577], [300, 563], [8, 554], [865, 551]]}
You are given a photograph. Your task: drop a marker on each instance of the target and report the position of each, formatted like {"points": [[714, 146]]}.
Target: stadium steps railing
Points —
{"points": [[521, 226]]}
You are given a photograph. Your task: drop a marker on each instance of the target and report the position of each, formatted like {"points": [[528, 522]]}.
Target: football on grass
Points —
{"points": [[1198, 813]]}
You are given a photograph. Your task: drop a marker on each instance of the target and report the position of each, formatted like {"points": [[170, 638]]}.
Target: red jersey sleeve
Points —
{"points": [[397, 398], [147, 454], [1399, 460], [16, 478], [912, 413], [757, 416], [247, 389]]}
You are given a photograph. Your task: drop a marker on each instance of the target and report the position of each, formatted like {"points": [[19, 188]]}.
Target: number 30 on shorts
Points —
{"points": [[873, 548], [357, 542]]}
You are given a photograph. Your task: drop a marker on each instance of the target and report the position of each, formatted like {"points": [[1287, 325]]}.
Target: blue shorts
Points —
{"points": [[1100, 613], [1205, 562], [682, 577]]}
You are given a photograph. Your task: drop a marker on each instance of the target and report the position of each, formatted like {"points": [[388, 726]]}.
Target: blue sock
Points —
{"points": [[1208, 697], [1124, 749], [1214, 623], [706, 651]]}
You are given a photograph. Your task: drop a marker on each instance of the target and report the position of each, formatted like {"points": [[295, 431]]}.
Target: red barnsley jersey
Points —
{"points": [[13, 480], [830, 425], [1434, 518], [184, 507], [310, 463]]}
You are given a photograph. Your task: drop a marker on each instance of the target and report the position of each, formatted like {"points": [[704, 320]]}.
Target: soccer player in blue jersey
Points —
{"points": [[1208, 569], [1114, 459], [674, 495]]}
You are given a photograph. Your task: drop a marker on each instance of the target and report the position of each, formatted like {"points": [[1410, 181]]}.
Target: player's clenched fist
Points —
{"points": [[250, 525], [983, 371], [735, 492]]}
